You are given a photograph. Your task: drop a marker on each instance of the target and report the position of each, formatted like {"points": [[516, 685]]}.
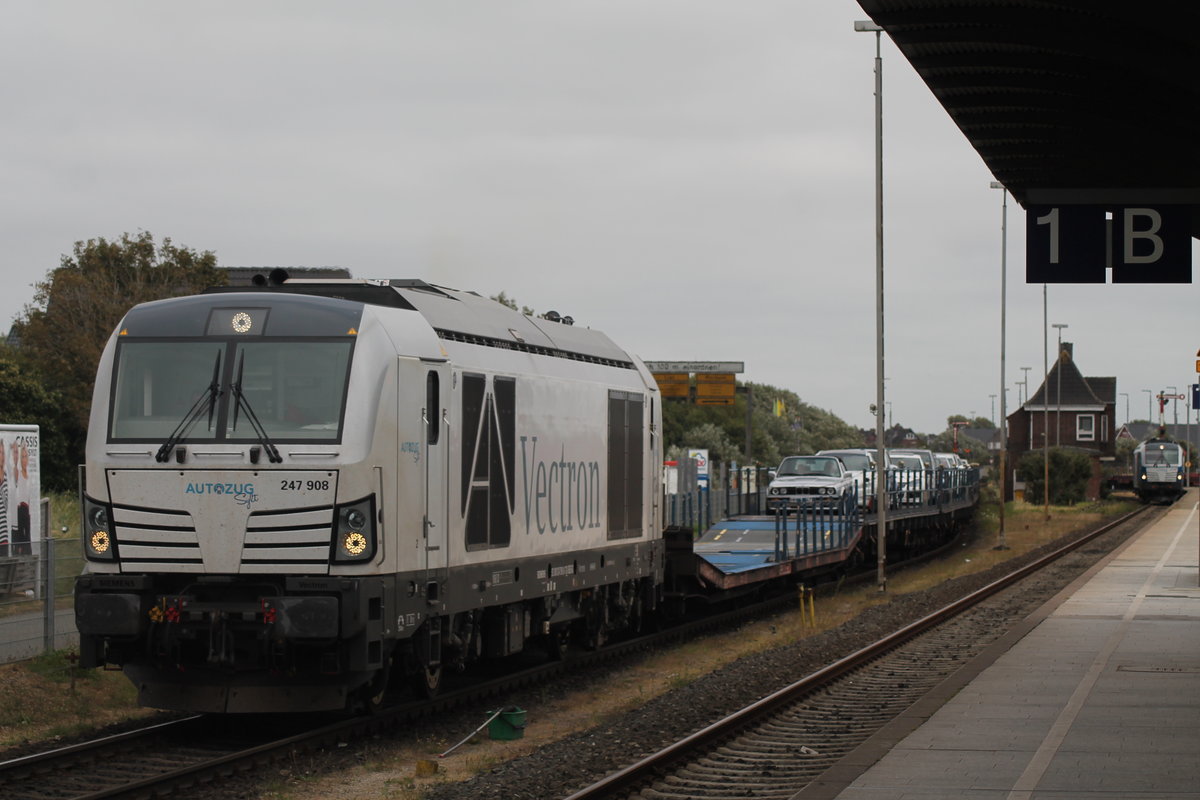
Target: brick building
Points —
{"points": [[1077, 412]]}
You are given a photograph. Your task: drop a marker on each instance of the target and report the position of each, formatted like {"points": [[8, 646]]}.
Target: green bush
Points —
{"points": [[1069, 474]]}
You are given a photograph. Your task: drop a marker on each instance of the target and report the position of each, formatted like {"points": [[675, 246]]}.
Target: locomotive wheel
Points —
{"points": [[372, 695], [556, 644], [428, 681], [596, 639]]}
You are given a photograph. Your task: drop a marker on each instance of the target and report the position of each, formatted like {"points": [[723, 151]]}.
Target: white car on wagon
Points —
{"points": [[810, 480]]}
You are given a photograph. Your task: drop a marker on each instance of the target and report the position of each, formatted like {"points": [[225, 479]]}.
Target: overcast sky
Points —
{"points": [[694, 178]]}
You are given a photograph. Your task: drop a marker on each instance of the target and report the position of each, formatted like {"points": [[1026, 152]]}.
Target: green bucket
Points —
{"points": [[508, 724]]}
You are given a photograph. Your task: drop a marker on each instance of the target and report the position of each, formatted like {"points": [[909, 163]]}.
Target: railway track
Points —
{"points": [[776, 746], [169, 757], [163, 758]]}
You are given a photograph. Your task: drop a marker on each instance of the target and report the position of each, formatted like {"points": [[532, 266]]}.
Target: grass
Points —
{"points": [[47, 697]]}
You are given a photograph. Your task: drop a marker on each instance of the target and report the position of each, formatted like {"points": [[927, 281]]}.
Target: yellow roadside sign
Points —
{"points": [[673, 384], [721, 385]]}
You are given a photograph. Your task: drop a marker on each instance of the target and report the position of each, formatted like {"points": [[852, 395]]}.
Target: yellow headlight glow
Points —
{"points": [[354, 543], [100, 541]]}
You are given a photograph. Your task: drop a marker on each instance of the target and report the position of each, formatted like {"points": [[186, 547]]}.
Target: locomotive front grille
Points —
{"points": [[163, 540], [1161, 474], [156, 539], [282, 541], [223, 522]]}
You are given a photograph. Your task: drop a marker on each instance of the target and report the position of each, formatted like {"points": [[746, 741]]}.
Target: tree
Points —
{"points": [[1069, 474], [781, 425], [944, 443], [78, 306], [978, 422], [508, 302], [716, 441], [25, 401]]}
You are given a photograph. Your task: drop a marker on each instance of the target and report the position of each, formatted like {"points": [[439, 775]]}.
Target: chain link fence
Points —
{"points": [[37, 581]]}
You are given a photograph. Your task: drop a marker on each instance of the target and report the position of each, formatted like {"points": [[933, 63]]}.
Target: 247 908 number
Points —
{"points": [[310, 486]]}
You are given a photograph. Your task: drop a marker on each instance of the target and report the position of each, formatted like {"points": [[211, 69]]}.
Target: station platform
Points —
{"points": [[1096, 695]]}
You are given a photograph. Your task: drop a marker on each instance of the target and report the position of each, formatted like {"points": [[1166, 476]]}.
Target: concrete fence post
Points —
{"points": [[48, 594]]}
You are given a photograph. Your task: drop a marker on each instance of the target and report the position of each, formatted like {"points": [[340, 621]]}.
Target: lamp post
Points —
{"points": [[1000, 542], [1126, 396], [867, 26], [993, 397], [1149, 405], [1025, 382], [1045, 403], [1058, 388]]}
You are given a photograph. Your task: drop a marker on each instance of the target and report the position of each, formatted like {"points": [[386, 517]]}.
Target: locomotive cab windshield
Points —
{"points": [[237, 391], [1162, 456]]}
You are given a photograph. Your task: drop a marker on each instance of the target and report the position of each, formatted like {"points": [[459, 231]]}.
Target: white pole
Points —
{"points": [[880, 458], [881, 501]]}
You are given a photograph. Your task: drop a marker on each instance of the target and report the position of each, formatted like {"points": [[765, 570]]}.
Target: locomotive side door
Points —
{"points": [[435, 424]]}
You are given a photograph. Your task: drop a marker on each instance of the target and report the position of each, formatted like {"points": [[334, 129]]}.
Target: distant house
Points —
{"points": [[1071, 411], [990, 437], [1179, 432], [895, 436]]}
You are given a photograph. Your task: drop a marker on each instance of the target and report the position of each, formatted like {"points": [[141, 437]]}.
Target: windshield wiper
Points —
{"points": [[243, 404], [206, 402]]}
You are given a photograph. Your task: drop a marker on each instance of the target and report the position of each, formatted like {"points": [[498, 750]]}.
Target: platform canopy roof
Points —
{"points": [[1066, 101]]}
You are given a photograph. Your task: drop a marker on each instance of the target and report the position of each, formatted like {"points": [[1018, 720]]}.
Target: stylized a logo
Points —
{"points": [[488, 458]]}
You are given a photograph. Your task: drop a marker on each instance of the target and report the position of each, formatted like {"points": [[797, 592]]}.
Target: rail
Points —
{"points": [[626, 779]]}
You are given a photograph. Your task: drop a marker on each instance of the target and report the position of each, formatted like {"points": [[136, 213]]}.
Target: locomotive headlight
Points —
{"points": [[98, 542], [354, 535], [98, 518], [356, 519], [354, 543]]}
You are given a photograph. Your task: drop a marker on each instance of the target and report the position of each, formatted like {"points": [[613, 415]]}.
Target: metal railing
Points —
{"points": [[802, 529], [744, 492], [730, 492]]}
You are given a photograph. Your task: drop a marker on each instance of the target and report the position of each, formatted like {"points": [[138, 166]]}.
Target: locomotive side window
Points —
{"points": [[626, 465], [488, 455], [433, 404]]}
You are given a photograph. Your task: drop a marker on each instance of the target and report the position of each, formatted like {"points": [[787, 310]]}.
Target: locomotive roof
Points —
{"points": [[460, 316]]}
